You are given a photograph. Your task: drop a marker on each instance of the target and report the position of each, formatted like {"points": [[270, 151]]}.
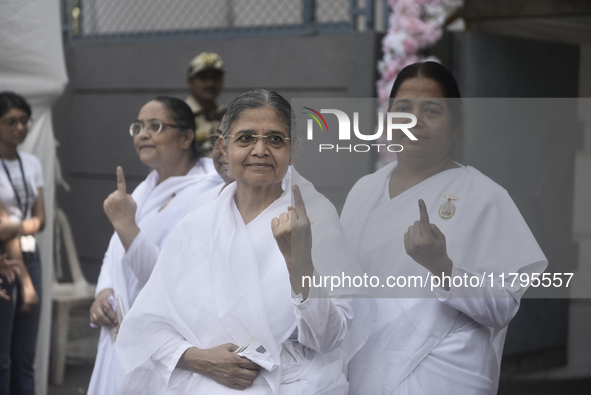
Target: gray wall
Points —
{"points": [[533, 159], [110, 82]]}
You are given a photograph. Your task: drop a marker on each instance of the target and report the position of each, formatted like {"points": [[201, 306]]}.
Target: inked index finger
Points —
{"points": [[300, 207], [121, 180], [424, 216]]}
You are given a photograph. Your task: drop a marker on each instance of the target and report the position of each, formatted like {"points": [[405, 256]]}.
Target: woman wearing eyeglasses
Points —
{"points": [[226, 309], [163, 136], [23, 215]]}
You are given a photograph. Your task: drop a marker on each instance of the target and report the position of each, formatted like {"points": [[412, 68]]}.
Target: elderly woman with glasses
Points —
{"points": [[163, 136], [226, 308]]}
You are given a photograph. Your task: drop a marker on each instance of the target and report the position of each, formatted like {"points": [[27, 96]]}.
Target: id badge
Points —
{"points": [[28, 243]]}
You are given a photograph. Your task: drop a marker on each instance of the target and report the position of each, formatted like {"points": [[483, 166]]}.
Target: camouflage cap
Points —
{"points": [[203, 62]]}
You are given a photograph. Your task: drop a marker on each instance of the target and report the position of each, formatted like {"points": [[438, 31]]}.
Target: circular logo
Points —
{"points": [[447, 210]]}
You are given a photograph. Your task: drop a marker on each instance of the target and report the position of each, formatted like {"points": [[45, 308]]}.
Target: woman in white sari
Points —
{"points": [[230, 275], [449, 341], [163, 136]]}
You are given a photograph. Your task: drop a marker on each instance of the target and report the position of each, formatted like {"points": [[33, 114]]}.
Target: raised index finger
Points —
{"points": [[424, 216], [300, 207], [121, 180]]}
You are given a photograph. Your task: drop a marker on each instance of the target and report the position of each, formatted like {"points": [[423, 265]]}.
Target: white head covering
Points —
{"points": [[207, 289]]}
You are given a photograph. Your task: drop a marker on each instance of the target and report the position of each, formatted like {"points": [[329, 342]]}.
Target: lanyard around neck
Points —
{"points": [[18, 198]]}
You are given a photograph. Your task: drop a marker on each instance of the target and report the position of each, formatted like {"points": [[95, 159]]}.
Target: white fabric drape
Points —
{"points": [[32, 64], [217, 281], [440, 342], [160, 206]]}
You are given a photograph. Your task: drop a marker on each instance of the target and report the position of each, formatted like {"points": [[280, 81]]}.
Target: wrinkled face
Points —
{"points": [[424, 98], [159, 150], [261, 163], [206, 85], [14, 127]]}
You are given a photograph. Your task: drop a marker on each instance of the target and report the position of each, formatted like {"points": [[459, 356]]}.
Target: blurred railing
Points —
{"points": [[112, 20]]}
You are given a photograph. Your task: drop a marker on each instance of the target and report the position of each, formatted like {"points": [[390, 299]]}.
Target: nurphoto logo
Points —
{"points": [[344, 133]]}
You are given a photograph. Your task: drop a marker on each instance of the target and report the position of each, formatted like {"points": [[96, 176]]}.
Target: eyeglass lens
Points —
{"points": [[271, 140], [153, 125], [13, 122]]}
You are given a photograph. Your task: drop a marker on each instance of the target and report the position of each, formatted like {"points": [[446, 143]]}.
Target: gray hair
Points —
{"points": [[256, 99]]}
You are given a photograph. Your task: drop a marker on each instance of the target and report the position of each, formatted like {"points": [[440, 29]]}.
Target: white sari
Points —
{"points": [[443, 342], [160, 206], [220, 281]]}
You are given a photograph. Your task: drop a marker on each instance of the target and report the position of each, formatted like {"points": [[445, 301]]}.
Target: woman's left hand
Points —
{"points": [[30, 297], [293, 235], [425, 243]]}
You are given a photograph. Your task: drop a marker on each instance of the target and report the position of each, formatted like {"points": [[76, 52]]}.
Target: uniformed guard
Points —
{"points": [[205, 78]]}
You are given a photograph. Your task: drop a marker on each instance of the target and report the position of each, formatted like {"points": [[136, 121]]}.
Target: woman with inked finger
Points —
{"points": [[163, 137], [428, 217], [226, 308]]}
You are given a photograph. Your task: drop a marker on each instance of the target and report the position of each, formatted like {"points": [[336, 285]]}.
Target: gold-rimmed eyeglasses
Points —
{"points": [[270, 140], [153, 125]]}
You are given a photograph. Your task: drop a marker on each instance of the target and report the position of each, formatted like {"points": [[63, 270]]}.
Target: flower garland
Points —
{"points": [[414, 26]]}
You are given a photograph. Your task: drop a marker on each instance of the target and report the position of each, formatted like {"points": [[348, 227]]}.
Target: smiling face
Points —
{"points": [[164, 149], [260, 164], [424, 98], [13, 127]]}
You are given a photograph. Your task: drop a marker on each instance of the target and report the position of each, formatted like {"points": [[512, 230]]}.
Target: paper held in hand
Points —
{"points": [[117, 306], [254, 350]]}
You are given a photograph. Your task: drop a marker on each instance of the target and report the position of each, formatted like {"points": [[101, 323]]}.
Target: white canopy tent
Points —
{"points": [[32, 64]]}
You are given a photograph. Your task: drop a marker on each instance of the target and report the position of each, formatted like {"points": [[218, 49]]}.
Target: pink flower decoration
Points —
{"points": [[414, 25], [410, 46]]}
